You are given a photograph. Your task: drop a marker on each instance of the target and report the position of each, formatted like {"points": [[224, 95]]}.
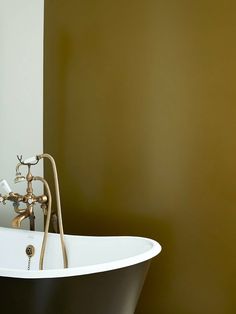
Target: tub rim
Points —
{"points": [[84, 270]]}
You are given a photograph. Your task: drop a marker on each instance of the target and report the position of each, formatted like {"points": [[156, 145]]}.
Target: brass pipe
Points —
{"points": [[18, 167], [45, 236]]}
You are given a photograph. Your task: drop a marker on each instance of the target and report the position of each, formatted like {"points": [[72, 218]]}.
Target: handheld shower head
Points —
{"points": [[31, 160]]}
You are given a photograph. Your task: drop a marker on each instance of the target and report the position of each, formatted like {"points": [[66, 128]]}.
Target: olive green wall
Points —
{"points": [[140, 115]]}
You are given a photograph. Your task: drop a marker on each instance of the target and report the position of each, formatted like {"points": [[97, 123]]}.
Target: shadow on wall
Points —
{"points": [[57, 102], [160, 275], [87, 161]]}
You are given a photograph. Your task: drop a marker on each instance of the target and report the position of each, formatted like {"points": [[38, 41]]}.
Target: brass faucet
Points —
{"points": [[29, 199]]}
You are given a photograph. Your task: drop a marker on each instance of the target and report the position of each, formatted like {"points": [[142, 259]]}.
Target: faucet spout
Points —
{"points": [[16, 222]]}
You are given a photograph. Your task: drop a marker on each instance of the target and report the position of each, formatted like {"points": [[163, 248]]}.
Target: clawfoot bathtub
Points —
{"points": [[105, 274]]}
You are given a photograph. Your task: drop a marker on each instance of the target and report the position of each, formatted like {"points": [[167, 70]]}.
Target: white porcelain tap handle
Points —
{"points": [[5, 186]]}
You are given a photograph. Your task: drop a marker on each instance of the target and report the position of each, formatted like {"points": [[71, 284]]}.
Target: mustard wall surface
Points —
{"points": [[140, 115]]}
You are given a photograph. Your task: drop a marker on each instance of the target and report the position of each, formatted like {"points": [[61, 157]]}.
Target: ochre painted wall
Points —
{"points": [[140, 114]]}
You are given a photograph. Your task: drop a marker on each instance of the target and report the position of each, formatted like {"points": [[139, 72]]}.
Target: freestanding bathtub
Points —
{"points": [[105, 274]]}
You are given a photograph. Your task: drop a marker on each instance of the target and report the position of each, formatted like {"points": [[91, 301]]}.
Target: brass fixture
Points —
{"points": [[16, 222], [29, 199], [30, 250], [48, 213]]}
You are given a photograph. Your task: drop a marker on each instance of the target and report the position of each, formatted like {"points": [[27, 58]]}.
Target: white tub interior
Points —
{"points": [[86, 254]]}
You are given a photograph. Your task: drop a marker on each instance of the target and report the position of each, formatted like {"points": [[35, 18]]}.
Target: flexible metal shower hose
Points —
{"points": [[59, 213]]}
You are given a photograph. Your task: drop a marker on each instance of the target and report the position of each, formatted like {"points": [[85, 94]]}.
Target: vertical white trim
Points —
{"points": [[21, 90]]}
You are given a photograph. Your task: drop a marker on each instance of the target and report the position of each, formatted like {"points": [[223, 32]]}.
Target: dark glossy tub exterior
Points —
{"points": [[111, 292]]}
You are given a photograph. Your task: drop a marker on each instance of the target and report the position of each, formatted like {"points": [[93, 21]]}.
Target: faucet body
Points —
{"points": [[29, 200]]}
